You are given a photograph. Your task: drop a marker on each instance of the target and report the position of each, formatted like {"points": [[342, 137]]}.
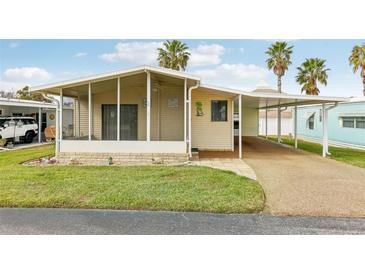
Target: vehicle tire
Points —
{"points": [[29, 137]]}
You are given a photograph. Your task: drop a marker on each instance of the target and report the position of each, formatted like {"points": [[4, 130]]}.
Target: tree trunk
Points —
{"points": [[363, 83], [279, 83]]}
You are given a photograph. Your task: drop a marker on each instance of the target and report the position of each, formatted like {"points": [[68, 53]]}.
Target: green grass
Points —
{"points": [[182, 188], [354, 157]]}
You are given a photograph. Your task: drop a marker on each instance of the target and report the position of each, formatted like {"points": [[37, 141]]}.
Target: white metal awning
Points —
{"points": [[25, 103]]}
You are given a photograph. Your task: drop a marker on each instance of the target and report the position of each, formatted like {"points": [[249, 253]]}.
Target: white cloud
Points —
{"points": [[13, 45], [26, 74], [134, 52], [80, 54], [206, 55], [234, 75]]}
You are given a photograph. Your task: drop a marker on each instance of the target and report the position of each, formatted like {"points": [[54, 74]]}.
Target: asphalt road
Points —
{"points": [[84, 221]]}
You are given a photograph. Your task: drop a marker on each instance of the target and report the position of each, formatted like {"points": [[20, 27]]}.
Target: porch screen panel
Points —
{"points": [[109, 122]]}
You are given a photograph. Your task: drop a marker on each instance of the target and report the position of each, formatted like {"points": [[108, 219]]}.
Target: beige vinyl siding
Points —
{"points": [[208, 135], [84, 116], [171, 118], [250, 121]]}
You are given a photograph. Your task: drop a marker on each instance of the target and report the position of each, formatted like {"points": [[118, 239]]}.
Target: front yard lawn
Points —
{"points": [[354, 157], [184, 188]]}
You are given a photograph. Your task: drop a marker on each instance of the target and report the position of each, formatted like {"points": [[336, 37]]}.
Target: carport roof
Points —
{"points": [[25, 103], [271, 100]]}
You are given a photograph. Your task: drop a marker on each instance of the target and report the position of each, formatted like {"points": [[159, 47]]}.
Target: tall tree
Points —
{"points": [[312, 70], [357, 60], [24, 94], [174, 55], [279, 59]]}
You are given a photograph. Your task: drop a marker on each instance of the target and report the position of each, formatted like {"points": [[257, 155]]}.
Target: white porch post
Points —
{"points": [[61, 115], [39, 125], [185, 101], [232, 124], [57, 140], [118, 109], [279, 124], [90, 111], [266, 122], [78, 117], [240, 126], [148, 107], [325, 131], [295, 127], [189, 121]]}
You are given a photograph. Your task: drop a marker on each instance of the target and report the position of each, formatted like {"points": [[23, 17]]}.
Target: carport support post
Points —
{"points": [[61, 114], [325, 131], [279, 124], [39, 125], [240, 126], [295, 127]]}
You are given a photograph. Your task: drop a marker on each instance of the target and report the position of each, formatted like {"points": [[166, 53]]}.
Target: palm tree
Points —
{"points": [[173, 55], [279, 59], [357, 60], [311, 71]]}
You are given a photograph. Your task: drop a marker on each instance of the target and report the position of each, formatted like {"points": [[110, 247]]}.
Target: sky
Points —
{"points": [[228, 63]]}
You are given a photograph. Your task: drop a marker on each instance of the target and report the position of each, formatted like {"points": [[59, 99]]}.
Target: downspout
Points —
{"points": [[190, 101], [57, 139]]}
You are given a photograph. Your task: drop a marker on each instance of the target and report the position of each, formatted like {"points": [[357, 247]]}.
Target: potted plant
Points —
{"points": [[199, 108]]}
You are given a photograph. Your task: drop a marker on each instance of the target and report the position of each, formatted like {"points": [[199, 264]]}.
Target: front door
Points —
{"points": [[128, 122]]}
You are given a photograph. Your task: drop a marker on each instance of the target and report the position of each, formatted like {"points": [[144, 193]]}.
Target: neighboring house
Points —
{"points": [[148, 112], [346, 123], [18, 107], [272, 117], [272, 122]]}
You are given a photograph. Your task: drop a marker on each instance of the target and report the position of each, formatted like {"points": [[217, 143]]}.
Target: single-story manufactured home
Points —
{"points": [[147, 112], [346, 123]]}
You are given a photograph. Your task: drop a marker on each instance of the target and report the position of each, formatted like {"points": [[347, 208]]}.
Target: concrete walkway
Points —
{"points": [[301, 183], [236, 165], [101, 222]]}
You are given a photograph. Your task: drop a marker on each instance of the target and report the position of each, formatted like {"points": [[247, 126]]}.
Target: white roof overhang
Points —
{"points": [[55, 87]]}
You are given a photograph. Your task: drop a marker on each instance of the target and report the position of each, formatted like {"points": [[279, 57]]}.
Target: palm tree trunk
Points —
{"points": [[279, 83]]}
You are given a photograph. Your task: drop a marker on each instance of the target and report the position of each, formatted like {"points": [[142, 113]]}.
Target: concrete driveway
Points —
{"points": [[301, 183]]}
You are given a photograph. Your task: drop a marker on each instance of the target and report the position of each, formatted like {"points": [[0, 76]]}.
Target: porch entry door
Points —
{"points": [[128, 122]]}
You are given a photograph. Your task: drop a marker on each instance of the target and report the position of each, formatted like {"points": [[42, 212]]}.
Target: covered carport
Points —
{"points": [[17, 107], [248, 105]]}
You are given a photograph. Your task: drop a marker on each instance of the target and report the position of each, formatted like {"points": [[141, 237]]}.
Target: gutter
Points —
{"points": [[190, 101]]}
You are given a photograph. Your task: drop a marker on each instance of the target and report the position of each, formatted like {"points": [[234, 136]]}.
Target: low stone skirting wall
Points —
{"points": [[87, 158]]}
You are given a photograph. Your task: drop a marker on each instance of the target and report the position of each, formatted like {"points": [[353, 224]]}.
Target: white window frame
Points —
{"points": [[354, 119]]}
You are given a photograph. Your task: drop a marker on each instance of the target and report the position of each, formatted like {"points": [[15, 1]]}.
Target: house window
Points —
{"points": [[219, 111], [348, 122], [360, 122], [311, 122], [17, 114]]}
